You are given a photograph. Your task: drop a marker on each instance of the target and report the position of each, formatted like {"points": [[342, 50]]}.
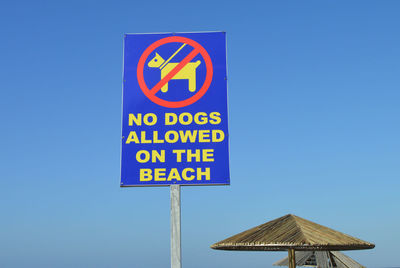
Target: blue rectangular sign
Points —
{"points": [[175, 118]]}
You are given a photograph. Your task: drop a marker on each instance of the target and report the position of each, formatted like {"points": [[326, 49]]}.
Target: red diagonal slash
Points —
{"points": [[174, 71]]}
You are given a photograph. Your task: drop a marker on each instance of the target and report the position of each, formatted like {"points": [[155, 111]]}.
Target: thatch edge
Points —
{"points": [[284, 247]]}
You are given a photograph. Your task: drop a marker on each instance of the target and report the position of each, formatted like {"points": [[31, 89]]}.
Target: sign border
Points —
{"points": [[225, 183]]}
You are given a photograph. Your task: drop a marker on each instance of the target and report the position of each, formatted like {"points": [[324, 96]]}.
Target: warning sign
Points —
{"points": [[183, 70], [175, 122]]}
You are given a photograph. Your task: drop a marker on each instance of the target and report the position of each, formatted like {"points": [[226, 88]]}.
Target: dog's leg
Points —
{"points": [[192, 83], [192, 76], [165, 87]]}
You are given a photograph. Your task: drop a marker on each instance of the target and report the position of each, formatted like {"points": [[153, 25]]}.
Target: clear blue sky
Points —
{"points": [[314, 91]]}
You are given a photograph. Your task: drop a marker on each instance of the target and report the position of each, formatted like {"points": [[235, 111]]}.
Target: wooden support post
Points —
{"points": [[292, 258]]}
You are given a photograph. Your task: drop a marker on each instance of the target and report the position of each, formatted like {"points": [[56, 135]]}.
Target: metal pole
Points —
{"points": [[176, 251], [292, 258]]}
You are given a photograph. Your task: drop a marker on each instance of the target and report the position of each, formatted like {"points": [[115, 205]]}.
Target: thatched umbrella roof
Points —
{"points": [[333, 259], [291, 233]]}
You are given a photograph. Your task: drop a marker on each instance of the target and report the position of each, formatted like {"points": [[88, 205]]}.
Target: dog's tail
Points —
{"points": [[197, 63]]}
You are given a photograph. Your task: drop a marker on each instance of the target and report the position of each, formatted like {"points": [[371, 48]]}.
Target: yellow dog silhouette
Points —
{"points": [[187, 72]]}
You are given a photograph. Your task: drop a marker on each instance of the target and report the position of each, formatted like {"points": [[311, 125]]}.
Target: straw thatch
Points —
{"points": [[291, 232], [334, 259]]}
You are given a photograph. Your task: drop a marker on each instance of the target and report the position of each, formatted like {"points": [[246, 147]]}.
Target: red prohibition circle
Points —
{"points": [[175, 104]]}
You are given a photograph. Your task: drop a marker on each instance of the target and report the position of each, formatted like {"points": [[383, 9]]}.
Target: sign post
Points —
{"points": [[175, 115], [176, 250]]}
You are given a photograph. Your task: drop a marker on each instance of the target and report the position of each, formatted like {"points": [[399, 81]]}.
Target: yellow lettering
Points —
{"points": [[159, 174], [145, 174], [143, 137], [205, 173], [137, 120], [208, 155], [178, 155], [185, 176], [174, 175], [186, 122], [204, 135], [173, 136], [155, 138], [190, 155], [153, 119], [142, 156], [168, 138], [158, 156], [215, 118], [200, 118], [132, 138], [170, 119], [218, 135], [185, 135]]}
